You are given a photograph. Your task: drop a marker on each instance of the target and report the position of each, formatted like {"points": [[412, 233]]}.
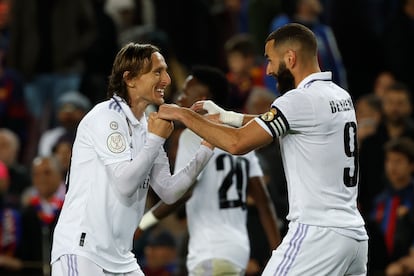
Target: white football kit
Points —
{"points": [[216, 211], [316, 126], [114, 160]]}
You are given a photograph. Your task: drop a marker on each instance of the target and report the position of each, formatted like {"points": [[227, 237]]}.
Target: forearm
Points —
{"points": [[267, 212], [222, 136], [269, 222], [247, 118], [128, 176], [171, 188], [162, 210]]}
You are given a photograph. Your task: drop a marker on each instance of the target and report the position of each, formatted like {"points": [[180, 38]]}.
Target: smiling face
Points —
{"points": [[149, 87], [276, 67]]}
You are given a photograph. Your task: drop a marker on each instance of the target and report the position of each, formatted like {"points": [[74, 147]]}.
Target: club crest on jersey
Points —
{"points": [[116, 142], [270, 115], [113, 125]]}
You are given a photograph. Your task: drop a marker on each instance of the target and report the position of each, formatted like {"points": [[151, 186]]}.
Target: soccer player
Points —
{"points": [[217, 209], [315, 123], [117, 155]]}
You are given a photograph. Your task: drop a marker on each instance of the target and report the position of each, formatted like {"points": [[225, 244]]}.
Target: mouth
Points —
{"points": [[160, 91]]}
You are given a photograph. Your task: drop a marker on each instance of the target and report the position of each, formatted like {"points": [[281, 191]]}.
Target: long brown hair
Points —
{"points": [[133, 57]]}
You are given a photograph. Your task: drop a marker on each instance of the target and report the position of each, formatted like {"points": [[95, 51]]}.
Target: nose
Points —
{"points": [[269, 71], [166, 80]]}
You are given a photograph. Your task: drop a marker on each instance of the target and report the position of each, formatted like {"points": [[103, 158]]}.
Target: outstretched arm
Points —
{"points": [[159, 211], [233, 140], [230, 118]]}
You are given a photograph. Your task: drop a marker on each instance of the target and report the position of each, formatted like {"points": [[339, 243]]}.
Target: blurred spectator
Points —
{"points": [[362, 66], [42, 204], [403, 266], [396, 122], [399, 42], [244, 69], [122, 13], [100, 55], [62, 151], [193, 31], [383, 80], [19, 175], [368, 110], [13, 111], [48, 41], [5, 6], [260, 15], [307, 12], [72, 107], [160, 254], [259, 100], [393, 206], [10, 230]]}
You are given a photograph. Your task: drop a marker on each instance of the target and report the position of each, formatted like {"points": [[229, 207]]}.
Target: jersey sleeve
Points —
{"points": [[188, 145], [291, 112], [109, 135], [255, 168]]}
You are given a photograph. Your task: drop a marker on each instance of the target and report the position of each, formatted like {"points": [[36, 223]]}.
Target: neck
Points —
{"points": [[304, 73], [401, 183], [138, 108]]}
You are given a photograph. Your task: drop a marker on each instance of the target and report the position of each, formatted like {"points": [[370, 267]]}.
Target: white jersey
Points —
{"points": [[97, 220], [216, 211], [320, 155]]}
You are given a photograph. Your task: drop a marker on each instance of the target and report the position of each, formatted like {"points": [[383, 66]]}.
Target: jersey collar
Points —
{"points": [[320, 76], [127, 110]]}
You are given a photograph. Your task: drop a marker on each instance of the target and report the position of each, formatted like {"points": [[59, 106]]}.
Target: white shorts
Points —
{"points": [[313, 250], [75, 265], [216, 267]]}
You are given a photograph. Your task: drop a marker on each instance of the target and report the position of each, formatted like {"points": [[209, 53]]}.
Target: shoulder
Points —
{"points": [[103, 112]]}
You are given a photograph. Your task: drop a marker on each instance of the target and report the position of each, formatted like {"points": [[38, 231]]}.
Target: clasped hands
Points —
{"points": [[161, 123]]}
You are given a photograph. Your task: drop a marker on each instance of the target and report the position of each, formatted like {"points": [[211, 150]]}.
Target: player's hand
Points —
{"points": [[208, 106], [169, 112], [158, 126], [230, 118]]}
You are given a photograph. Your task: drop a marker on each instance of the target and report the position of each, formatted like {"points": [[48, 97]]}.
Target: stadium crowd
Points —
{"points": [[55, 59]]}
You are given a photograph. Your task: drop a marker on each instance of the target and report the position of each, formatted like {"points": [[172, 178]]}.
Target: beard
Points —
{"points": [[285, 79]]}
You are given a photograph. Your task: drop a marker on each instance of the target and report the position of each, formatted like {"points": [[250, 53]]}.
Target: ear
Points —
{"points": [[125, 75], [290, 58], [126, 79]]}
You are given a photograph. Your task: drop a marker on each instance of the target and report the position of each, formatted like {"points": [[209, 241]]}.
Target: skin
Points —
{"points": [[194, 91], [251, 136], [398, 169], [148, 88], [46, 177]]}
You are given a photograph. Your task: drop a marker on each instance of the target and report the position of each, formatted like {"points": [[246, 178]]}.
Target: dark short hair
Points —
{"points": [[399, 87], [241, 43], [216, 82], [133, 57], [295, 32], [403, 145], [373, 101]]}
